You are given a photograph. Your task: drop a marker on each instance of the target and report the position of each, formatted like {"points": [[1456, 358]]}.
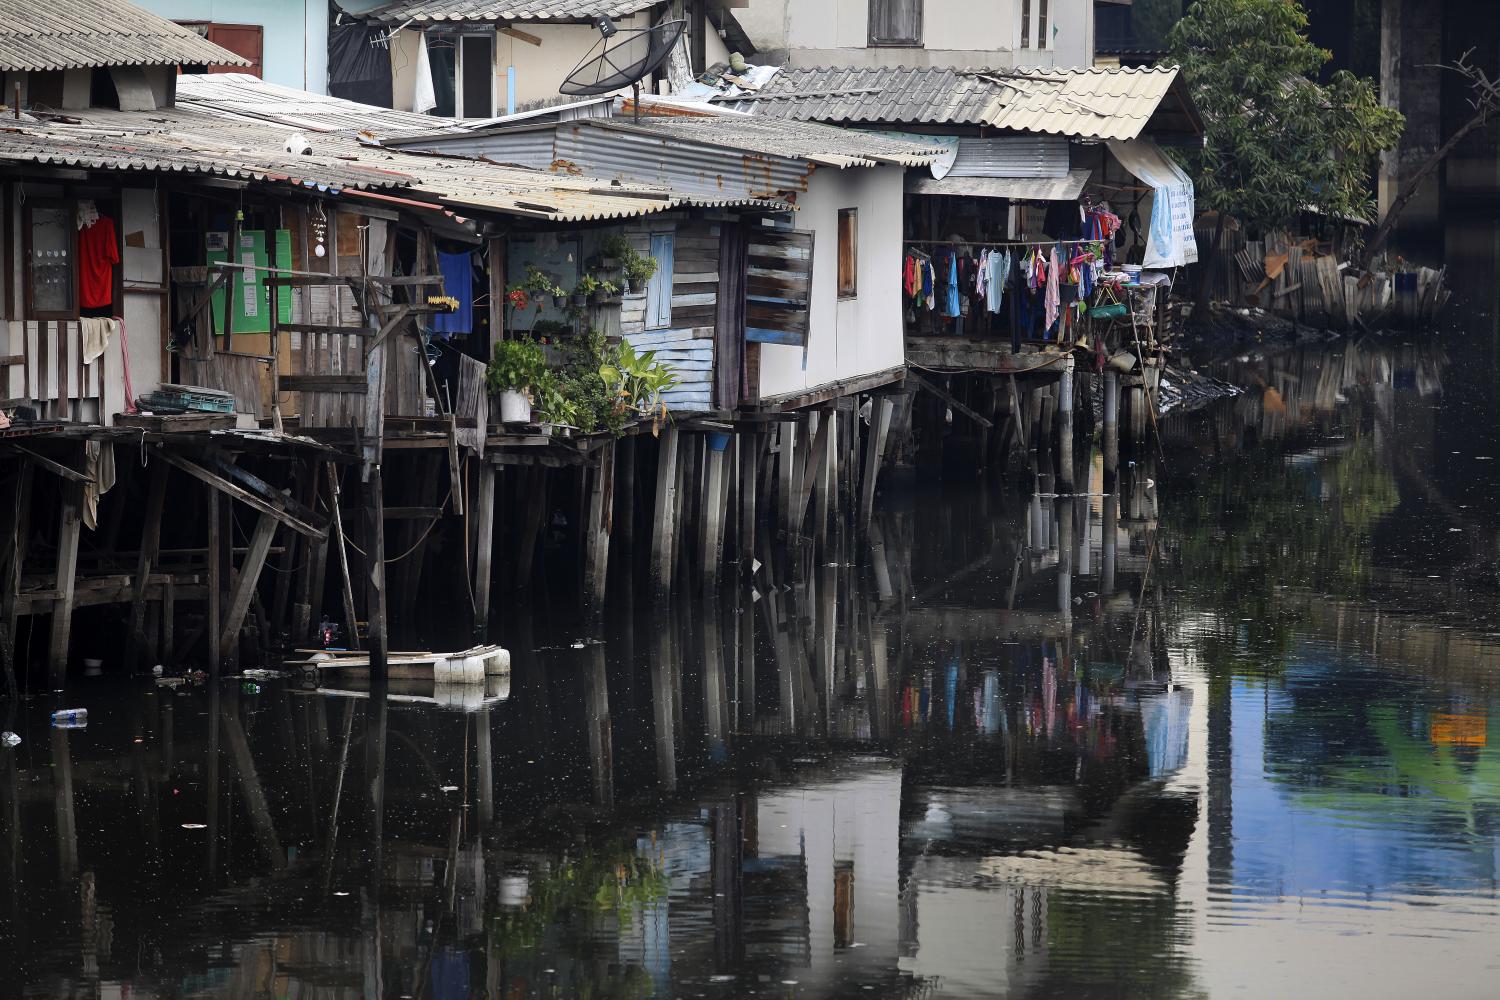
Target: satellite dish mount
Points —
{"points": [[622, 57]]}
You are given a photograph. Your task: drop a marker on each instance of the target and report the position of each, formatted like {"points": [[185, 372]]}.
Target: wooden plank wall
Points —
{"points": [[51, 371], [688, 343]]}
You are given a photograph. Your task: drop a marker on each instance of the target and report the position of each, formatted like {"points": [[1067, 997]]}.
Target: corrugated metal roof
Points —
{"points": [[209, 140], [253, 99], [69, 34], [1100, 103], [507, 10], [1065, 188], [121, 144], [803, 140]]}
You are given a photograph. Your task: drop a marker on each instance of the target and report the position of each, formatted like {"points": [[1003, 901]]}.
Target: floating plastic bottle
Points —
{"points": [[10, 739], [71, 718]]}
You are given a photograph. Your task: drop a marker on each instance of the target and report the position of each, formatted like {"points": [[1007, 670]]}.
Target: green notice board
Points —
{"points": [[252, 297]]}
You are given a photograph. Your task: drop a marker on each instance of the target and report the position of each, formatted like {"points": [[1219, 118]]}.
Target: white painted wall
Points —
{"points": [[540, 69], [294, 39], [955, 33], [855, 336]]}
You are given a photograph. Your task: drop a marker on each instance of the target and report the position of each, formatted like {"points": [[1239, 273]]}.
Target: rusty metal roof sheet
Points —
{"points": [[69, 34], [241, 95], [507, 10], [811, 141], [197, 141], [1098, 103]]}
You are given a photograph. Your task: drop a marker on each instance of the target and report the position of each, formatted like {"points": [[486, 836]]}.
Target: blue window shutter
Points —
{"points": [[659, 288]]}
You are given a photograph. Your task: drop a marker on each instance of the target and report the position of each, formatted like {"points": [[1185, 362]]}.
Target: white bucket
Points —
{"points": [[515, 407], [497, 663]]}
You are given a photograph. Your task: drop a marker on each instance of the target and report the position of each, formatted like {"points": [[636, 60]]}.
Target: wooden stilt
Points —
{"points": [[788, 467], [168, 621], [625, 457], [486, 769], [814, 453], [312, 581], [711, 536], [531, 527], [1111, 427], [483, 511], [1065, 558], [375, 591], [18, 534], [598, 528], [750, 448], [70, 526], [346, 585], [880, 425], [665, 530], [156, 497], [1065, 426], [245, 584], [826, 475]]}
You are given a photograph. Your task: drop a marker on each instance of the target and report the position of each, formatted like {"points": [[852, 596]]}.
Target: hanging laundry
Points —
{"points": [[98, 253], [458, 283], [998, 268], [1054, 298]]}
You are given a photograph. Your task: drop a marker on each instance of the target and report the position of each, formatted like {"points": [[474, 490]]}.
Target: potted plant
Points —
{"points": [[595, 288], [556, 413], [517, 365], [635, 267]]}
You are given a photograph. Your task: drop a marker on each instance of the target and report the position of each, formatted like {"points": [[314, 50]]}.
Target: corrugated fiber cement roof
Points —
{"points": [[1099, 103], [71, 34], [507, 10]]}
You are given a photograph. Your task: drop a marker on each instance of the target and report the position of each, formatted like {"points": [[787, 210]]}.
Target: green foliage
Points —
{"points": [[539, 283], [1277, 142], [583, 358], [639, 381], [591, 283], [516, 364], [636, 266], [593, 883], [552, 401]]}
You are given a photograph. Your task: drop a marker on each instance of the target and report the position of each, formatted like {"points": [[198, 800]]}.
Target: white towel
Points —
{"points": [[424, 94], [97, 331]]}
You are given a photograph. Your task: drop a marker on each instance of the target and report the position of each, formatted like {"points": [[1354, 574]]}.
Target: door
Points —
{"points": [[244, 40]]}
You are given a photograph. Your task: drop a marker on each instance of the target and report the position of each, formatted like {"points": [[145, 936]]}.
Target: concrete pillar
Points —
{"points": [[1411, 47]]}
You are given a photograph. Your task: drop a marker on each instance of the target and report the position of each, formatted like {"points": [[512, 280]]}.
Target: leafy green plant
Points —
{"points": [[639, 381], [583, 358], [634, 265], [591, 284], [551, 401], [516, 365]]}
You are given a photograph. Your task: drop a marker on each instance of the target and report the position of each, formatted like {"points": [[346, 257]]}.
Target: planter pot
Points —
{"points": [[560, 301], [580, 299], [626, 286], [515, 407], [600, 298]]}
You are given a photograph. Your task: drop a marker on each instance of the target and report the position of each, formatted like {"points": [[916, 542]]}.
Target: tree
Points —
{"points": [[1484, 99], [1277, 142]]}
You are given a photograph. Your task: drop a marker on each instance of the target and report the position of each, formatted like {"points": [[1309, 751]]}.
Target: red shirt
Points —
{"points": [[98, 253]]}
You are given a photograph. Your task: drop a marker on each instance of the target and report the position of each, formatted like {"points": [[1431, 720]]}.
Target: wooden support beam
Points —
{"points": [[69, 529], [1065, 426], [1111, 423], [156, 497], [880, 426], [808, 475], [245, 584], [826, 474], [950, 399], [375, 591], [278, 510], [598, 529], [665, 513], [54, 467], [786, 479], [483, 510]]}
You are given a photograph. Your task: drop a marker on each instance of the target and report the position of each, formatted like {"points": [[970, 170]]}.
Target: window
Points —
{"points": [[51, 260], [895, 22], [1038, 38], [659, 288], [848, 252], [463, 74]]}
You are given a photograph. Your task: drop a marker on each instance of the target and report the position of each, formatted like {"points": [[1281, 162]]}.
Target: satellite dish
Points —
{"points": [[622, 57]]}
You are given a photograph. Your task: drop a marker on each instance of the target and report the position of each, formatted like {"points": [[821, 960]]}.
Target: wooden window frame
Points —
{"points": [[848, 271], [876, 42], [28, 309], [663, 275]]}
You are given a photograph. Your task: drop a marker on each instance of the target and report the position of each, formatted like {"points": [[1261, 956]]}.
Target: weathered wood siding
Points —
{"points": [[686, 341]]}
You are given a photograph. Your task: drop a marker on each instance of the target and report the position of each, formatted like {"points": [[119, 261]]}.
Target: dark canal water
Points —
{"points": [[1259, 756]]}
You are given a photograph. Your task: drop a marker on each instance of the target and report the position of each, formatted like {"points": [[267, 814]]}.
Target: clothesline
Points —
{"points": [[994, 243]]}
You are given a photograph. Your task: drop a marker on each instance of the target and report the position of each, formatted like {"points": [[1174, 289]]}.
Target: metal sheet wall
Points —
{"points": [[702, 170], [1012, 156]]}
